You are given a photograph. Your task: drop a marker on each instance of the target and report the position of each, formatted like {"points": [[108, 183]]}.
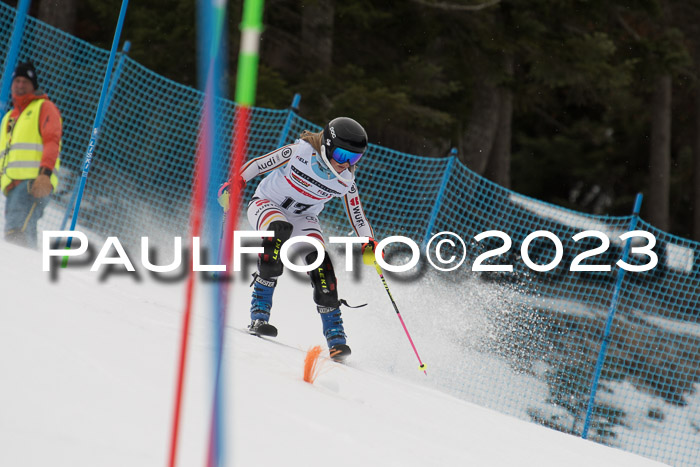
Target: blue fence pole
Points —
{"points": [[98, 123], [441, 193], [611, 314], [288, 122], [113, 85], [11, 59], [117, 71]]}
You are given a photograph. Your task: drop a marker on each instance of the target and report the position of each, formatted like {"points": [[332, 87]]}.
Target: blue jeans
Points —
{"points": [[22, 211]]}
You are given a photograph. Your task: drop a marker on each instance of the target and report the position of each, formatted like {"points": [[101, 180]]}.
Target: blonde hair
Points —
{"points": [[314, 139]]}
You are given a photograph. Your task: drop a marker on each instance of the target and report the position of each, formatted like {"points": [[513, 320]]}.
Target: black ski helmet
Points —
{"points": [[346, 133]]}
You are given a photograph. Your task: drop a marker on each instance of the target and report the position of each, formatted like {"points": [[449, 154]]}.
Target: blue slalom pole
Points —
{"points": [[98, 123], [113, 84], [211, 24], [611, 315], [11, 59]]}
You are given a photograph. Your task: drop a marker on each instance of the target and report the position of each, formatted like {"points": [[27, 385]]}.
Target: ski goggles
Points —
{"points": [[341, 156]]}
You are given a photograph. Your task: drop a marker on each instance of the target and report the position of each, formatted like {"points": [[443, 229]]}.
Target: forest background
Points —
{"points": [[581, 103]]}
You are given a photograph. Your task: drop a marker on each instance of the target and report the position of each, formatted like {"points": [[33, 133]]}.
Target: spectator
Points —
{"points": [[30, 144]]}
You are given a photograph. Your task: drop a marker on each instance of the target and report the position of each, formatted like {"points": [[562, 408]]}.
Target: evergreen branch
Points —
{"points": [[551, 120], [627, 27], [451, 6]]}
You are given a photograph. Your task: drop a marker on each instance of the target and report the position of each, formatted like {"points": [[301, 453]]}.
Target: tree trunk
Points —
{"points": [[59, 13], [280, 44], [498, 167], [317, 33], [660, 157], [696, 172], [482, 126]]}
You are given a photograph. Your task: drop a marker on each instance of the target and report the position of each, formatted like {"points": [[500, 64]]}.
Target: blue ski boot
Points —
{"points": [[334, 332], [260, 307]]}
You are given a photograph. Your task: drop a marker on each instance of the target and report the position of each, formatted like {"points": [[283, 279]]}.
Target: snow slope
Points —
{"points": [[88, 373]]}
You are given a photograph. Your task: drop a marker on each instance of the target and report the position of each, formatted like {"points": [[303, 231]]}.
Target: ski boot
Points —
{"points": [[334, 332], [260, 307]]}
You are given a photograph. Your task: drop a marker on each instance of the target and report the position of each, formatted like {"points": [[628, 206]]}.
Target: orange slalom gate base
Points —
{"points": [[312, 365]]}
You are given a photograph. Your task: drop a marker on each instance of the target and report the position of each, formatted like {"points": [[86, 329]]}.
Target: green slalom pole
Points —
{"points": [[248, 57], [246, 84]]}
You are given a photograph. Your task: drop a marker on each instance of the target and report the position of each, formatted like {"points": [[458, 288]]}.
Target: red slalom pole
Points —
{"points": [[238, 155], [246, 81], [182, 358], [197, 208], [238, 151]]}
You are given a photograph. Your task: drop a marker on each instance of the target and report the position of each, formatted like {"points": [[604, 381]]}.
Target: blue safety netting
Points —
{"points": [[646, 399]]}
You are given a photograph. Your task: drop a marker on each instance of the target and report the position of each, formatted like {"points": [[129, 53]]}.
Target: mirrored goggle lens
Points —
{"points": [[342, 156]]}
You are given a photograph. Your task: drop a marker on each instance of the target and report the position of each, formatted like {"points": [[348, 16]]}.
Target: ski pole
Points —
{"points": [[369, 259]]}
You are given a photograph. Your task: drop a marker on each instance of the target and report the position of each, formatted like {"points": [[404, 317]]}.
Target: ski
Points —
{"points": [[262, 329], [340, 352]]}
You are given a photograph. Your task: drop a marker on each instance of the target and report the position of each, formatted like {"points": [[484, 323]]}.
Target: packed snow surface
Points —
{"points": [[89, 369]]}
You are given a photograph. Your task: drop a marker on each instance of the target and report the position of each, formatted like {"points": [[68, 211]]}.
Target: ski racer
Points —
{"points": [[302, 178]]}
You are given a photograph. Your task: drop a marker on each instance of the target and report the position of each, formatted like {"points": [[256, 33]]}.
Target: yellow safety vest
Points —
{"points": [[21, 149]]}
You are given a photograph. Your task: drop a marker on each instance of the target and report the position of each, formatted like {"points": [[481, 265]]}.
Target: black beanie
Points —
{"points": [[26, 70]]}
